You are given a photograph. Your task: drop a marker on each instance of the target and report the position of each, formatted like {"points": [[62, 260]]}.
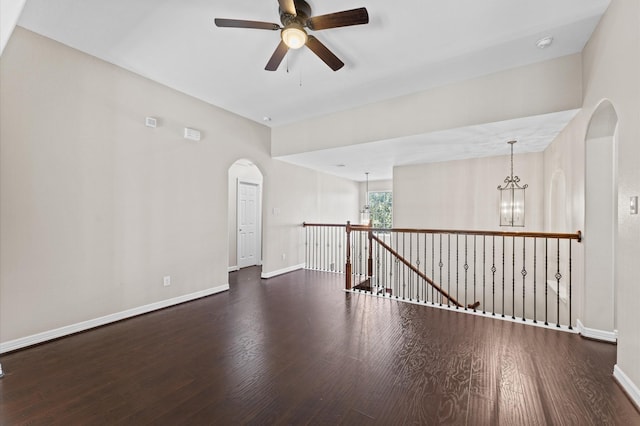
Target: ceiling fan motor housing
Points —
{"points": [[303, 12]]}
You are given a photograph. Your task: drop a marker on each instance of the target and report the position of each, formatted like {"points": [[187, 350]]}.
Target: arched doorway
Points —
{"points": [[245, 215], [601, 223]]}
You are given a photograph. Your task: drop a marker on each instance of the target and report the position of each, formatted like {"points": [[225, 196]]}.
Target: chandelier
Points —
{"points": [[512, 198]]}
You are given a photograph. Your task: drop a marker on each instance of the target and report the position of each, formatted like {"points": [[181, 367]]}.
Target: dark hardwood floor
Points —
{"points": [[296, 349]]}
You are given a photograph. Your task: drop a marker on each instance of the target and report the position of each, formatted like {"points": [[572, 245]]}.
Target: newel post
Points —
{"points": [[348, 265], [370, 260]]}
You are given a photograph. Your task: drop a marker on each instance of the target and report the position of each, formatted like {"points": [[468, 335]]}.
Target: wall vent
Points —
{"points": [[151, 122], [191, 134]]}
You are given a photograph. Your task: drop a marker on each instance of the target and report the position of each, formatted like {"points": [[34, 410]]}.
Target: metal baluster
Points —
{"points": [[310, 248], [433, 265], [484, 276], [474, 272], [312, 241], [524, 275], [330, 247], [558, 277], [493, 270], [448, 266], [513, 277], [320, 247], [466, 269], [347, 266], [457, 270], [334, 249], [411, 276], [503, 274], [337, 248], [418, 279], [441, 265], [316, 231], [425, 288], [306, 247], [323, 249], [378, 284], [546, 283], [389, 264], [404, 276], [360, 249], [397, 283], [343, 247], [535, 276]]}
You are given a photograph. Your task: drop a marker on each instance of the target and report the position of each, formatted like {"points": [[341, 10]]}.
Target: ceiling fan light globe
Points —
{"points": [[294, 37]]}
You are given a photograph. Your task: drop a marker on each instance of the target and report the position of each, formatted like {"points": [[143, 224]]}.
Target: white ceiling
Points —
{"points": [[378, 158], [407, 46]]}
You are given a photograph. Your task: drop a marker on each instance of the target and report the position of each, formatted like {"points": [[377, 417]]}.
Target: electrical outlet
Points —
{"points": [[167, 281], [284, 256]]}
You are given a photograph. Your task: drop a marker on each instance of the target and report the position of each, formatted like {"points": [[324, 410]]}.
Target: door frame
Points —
{"points": [[258, 184]]}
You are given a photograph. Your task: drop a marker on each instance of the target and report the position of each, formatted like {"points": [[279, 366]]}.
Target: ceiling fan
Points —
{"points": [[295, 17]]}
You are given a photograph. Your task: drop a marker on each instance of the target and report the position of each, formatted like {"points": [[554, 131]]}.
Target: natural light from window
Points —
{"points": [[381, 205]]}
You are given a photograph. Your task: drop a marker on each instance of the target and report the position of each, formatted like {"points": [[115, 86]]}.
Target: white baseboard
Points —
{"points": [[233, 268], [629, 387], [592, 333], [282, 271], [34, 339]]}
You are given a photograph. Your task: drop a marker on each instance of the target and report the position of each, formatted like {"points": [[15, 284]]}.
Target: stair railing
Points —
{"points": [[523, 276]]}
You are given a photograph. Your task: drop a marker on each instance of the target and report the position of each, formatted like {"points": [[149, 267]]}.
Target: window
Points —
{"points": [[381, 205]]}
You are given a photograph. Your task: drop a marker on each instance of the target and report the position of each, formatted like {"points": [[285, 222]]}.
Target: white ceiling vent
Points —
{"points": [[191, 134]]}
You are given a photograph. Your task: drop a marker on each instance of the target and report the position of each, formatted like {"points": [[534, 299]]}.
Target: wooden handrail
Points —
{"points": [[567, 236], [420, 273], [336, 225]]}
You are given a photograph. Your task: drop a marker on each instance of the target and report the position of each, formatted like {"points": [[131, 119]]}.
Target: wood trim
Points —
{"points": [[334, 225], [630, 388], [595, 334], [45, 336], [563, 236], [267, 275]]}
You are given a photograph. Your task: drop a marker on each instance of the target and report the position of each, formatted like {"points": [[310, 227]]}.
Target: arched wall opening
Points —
{"points": [[601, 223], [245, 215]]}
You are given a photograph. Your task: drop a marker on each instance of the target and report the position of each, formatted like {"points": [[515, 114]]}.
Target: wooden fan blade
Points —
{"points": [[239, 23], [277, 57], [288, 6], [339, 19], [323, 53]]}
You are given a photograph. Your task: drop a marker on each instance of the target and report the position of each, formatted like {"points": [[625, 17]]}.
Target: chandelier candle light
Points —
{"points": [[512, 198]]}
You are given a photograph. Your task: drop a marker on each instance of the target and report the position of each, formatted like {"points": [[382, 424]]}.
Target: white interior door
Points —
{"points": [[249, 233]]}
